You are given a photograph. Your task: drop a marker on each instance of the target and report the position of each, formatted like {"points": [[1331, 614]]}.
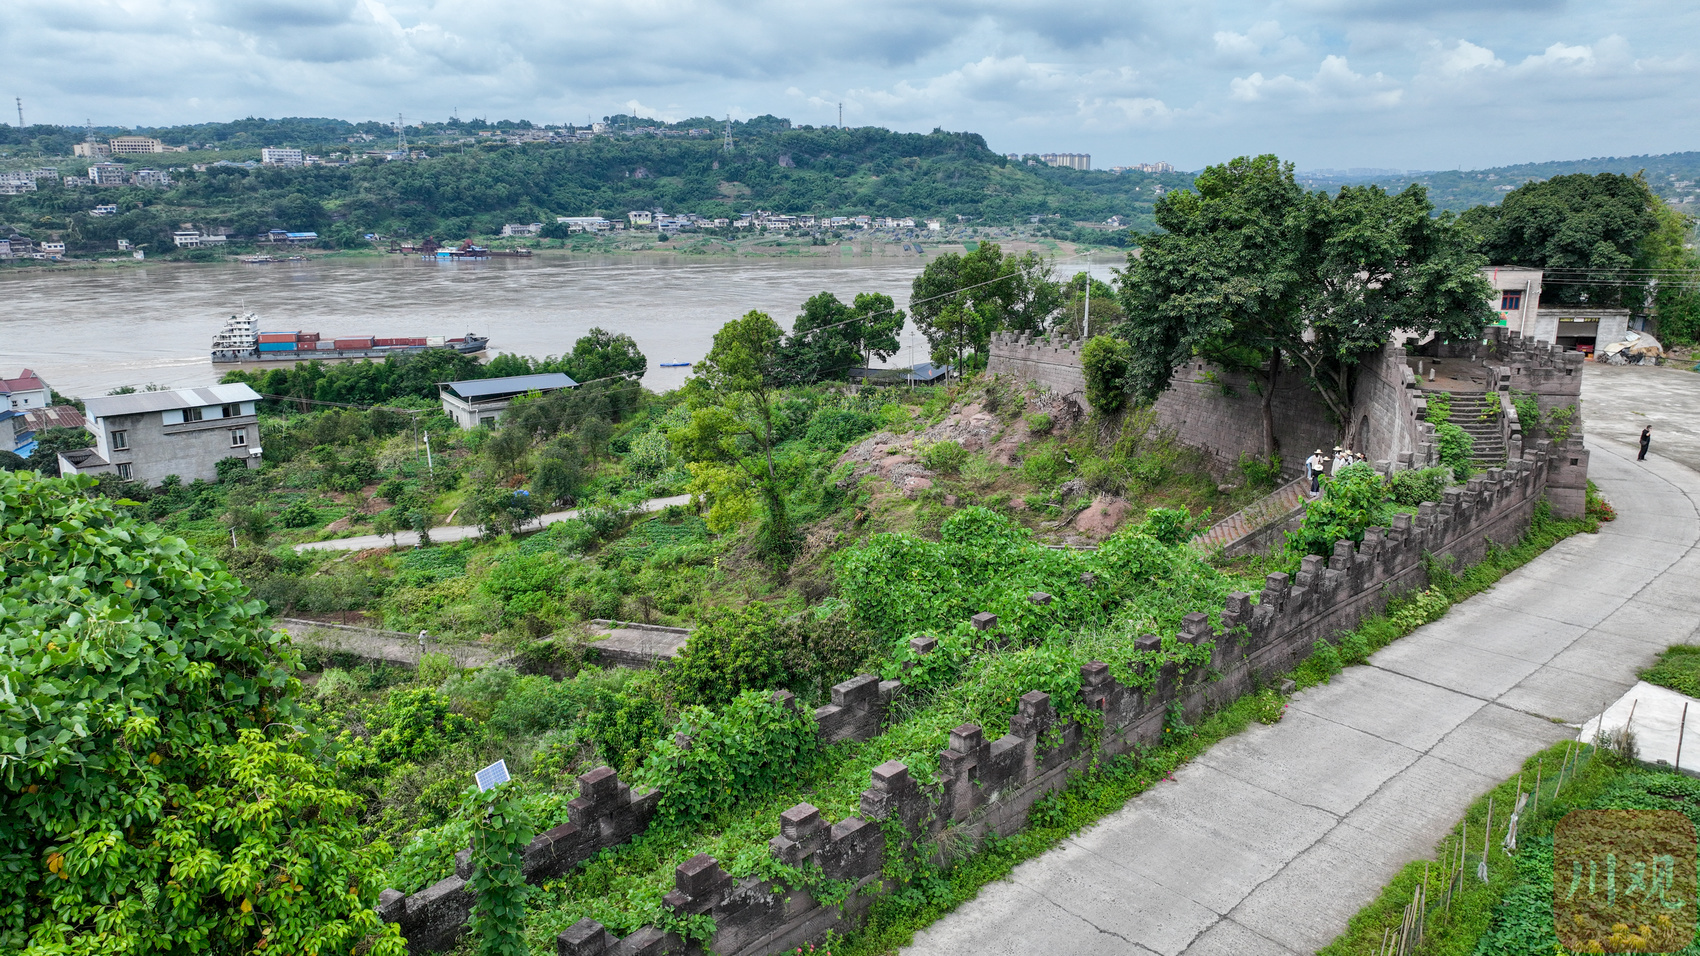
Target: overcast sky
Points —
{"points": [[1419, 84]]}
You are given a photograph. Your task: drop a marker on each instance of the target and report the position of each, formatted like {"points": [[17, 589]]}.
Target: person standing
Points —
{"points": [[1646, 440], [1313, 471]]}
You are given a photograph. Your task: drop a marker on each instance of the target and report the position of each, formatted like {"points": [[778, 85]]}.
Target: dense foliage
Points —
{"points": [[155, 795]]}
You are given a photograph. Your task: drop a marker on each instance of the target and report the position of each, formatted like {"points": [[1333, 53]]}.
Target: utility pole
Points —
{"points": [[1086, 323]]}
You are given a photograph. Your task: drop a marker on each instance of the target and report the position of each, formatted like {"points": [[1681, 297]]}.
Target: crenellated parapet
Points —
{"points": [[988, 784]]}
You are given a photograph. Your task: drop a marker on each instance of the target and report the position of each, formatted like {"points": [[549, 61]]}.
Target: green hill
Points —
{"points": [[1672, 177]]}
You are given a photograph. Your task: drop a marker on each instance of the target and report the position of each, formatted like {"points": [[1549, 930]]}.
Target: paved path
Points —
{"points": [[1268, 843], [458, 532]]}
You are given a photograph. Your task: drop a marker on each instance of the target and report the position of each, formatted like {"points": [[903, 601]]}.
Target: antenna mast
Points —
{"points": [[841, 116], [20, 112], [728, 132]]}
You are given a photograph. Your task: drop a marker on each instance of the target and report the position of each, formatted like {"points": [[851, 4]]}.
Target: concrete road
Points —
{"points": [[1619, 400], [1272, 840], [449, 533]]}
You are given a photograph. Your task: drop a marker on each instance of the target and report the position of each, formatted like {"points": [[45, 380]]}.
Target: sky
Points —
{"points": [[1399, 84]]}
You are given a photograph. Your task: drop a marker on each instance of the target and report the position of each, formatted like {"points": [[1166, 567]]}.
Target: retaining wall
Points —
{"points": [[1221, 414], [987, 785]]}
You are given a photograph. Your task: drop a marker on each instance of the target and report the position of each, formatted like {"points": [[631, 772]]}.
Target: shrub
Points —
{"points": [[718, 759], [1353, 500], [837, 428], [1106, 362], [415, 724], [1456, 448], [298, 515], [944, 457], [651, 454], [1172, 526], [1040, 423], [1412, 488], [1046, 464], [1261, 472], [231, 469], [626, 722]]}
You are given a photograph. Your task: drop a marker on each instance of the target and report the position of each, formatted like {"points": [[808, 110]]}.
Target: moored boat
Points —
{"points": [[242, 341]]}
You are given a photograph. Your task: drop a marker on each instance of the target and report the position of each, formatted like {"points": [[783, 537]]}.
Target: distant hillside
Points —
{"points": [[470, 184], [1673, 176]]}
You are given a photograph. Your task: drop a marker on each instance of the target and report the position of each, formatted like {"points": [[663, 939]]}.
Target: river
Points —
{"points": [[88, 332]]}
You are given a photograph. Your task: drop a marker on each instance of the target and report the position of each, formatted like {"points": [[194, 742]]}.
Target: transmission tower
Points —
{"points": [[841, 116], [728, 132], [20, 112], [400, 135]]}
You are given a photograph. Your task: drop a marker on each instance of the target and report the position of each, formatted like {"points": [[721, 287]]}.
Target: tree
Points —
{"points": [[160, 790], [1253, 272], [499, 510], [1383, 263], [825, 342], [1102, 309], [1578, 228], [599, 354], [559, 473], [959, 301], [732, 416], [1225, 280]]}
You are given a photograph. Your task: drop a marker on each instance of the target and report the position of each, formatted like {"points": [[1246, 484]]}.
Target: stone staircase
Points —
{"points": [[1488, 446], [1278, 504]]}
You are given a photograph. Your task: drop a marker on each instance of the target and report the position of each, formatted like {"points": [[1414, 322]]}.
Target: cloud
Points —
{"points": [[1263, 40], [1335, 84], [1466, 57]]}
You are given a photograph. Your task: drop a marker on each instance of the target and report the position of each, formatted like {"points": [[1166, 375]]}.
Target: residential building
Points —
{"points": [[1081, 161], [522, 229], [78, 181], [16, 187], [37, 420], [933, 225], [150, 177], [1144, 168], [5, 248], [135, 145], [145, 436], [109, 209], [92, 150], [107, 174], [482, 401], [19, 245], [53, 248], [279, 156], [641, 217], [186, 238], [124, 245], [1516, 297], [26, 392], [585, 223]]}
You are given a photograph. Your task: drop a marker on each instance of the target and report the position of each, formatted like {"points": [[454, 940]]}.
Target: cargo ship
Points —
{"points": [[242, 341]]}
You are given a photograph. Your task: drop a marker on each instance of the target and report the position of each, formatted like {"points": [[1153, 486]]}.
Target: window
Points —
{"points": [[233, 410], [239, 438], [192, 414], [120, 440], [124, 470], [1510, 301]]}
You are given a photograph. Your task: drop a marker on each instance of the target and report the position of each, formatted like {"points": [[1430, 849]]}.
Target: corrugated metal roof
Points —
{"points": [[511, 385], [139, 402]]}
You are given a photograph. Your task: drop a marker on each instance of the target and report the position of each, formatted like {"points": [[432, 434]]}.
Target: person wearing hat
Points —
{"points": [[1313, 470], [1342, 458]]}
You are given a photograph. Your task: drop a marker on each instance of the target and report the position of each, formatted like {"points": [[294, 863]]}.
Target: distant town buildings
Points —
{"points": [[1081, 161], [522, 229], [1143, 168], [585, 223], [135, 145], [20, 181], [279, 156]]}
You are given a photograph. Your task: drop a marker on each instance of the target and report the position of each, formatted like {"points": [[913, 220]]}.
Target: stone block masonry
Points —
{"points": [[1221, 414], [987, 785]]}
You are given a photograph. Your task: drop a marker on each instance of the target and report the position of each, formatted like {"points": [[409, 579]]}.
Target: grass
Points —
{"points": [[1678, 668]]}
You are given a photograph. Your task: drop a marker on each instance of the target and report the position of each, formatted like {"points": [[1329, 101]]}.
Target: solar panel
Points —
{"points": [[492, 776]]}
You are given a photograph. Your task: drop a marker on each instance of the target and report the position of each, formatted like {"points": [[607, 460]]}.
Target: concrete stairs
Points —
{"points": [[1274, 506], [1488, 446]]}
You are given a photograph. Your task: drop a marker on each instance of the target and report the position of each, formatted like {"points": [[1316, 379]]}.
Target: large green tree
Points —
{"points": [[1586, 232], [1227, 280], [829, 337], [733, 420], [958, 301], [1252, 272], [159, 791]]}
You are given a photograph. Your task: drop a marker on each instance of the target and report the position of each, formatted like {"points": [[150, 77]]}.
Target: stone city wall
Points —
{"points": [[1221, 414], [987, 785]]}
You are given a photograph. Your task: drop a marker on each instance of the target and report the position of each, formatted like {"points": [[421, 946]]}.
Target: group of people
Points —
{"points": [[1319, 464]]}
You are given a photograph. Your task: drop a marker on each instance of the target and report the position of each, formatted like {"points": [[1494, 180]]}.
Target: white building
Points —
{"points": [[107, 174], [150, 177], [187, 238], [522, 229], [109, 209], [25, 392], [1516, 297], [1081, 161], [146, 436], [482, 401], [585, 223], [641, 217], [136, 145], [280, 156], [53, 248]]}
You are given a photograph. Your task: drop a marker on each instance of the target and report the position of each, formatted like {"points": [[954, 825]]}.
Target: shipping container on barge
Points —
{"points": [[241, 341]]}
